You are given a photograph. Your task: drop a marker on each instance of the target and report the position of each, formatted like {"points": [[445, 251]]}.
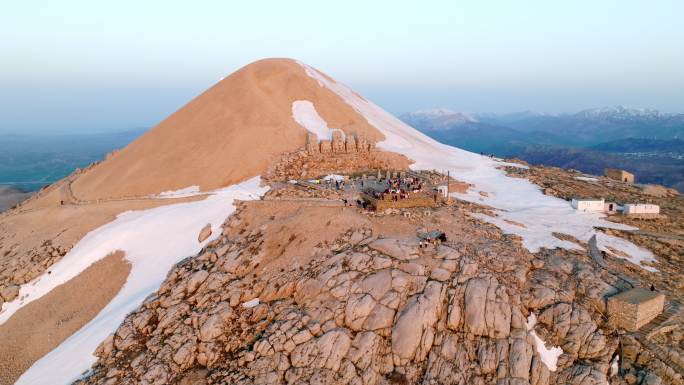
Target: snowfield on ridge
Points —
{"points": [[517, 200], [153, 241]]}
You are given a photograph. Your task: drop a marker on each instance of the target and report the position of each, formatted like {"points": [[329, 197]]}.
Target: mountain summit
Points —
{"points": [[227, 134], [281, 228]]}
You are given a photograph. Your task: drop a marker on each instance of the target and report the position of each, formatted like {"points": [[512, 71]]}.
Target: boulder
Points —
{"points": [[486, 355], [413, 333], [440, 274], [211, 328], [185, 355], [582, 375], [364, 348], [168, 317], [455, 316], [379, 318], [156, 375], [541, 297], [406, 283], [357, 309], [196, 279], [520, 358], [468, 269], [105, 346], [204, 233], [574, 329], [399, 249], [651, 379], [446, 252], [9, 293], [325, 351], [487, 311], [377, 284], [539, 373]]}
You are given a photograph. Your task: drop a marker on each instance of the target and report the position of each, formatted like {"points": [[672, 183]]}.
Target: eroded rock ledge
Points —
{"points": [[366, 305]]}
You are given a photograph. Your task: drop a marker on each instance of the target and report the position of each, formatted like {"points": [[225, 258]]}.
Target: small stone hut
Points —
{"points": [[621, 175], [635, 308]]}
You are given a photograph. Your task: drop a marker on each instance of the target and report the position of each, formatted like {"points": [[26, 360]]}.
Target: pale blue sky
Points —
{"points": [[86, 65]]}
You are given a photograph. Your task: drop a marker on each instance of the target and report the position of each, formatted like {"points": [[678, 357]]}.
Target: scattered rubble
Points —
{"points": [[18, 268]]}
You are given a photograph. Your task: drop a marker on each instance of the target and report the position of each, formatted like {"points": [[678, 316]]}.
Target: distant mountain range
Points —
{"points": [[647, 142]]}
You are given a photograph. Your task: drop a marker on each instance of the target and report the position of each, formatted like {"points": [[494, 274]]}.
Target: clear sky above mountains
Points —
{"points": [[94, 66]]}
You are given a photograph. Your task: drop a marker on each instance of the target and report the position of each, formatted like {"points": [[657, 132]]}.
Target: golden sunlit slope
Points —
{"points": [[226, 135]]}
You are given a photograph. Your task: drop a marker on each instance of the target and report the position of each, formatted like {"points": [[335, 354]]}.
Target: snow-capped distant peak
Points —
{"points": [[619, 112], [443, 112], [434, 112], [438, 118]]}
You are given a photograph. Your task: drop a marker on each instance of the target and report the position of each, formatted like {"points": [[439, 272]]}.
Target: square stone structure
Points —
{"points": [[635, 308], [621, 175]]}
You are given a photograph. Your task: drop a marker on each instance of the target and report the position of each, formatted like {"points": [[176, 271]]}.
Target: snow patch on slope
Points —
{"points": [[153, 241], [586, 178], [516, 199], [181, 193], [548, 356], [625, 250], [304, 113]]}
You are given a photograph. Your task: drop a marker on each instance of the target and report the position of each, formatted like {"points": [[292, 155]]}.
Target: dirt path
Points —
{"points": [[42, 325]]}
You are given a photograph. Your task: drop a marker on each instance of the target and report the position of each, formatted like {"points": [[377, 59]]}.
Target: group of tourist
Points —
{"points": [[411, 184]]}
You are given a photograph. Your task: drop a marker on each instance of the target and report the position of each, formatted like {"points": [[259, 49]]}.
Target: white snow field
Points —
{"points": [[153, 241], [515, 199], [548, 356], [182, 193], [586, 178], [304, 113]]}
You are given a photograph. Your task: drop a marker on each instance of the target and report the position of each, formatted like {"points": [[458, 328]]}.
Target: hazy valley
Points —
{"points": [[646, 142]]}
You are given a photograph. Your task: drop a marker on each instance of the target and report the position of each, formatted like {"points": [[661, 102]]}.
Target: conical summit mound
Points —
{"points": [[227, 134]]}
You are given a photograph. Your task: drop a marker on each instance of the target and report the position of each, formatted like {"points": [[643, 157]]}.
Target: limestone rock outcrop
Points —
{"points": [[364, 309]]}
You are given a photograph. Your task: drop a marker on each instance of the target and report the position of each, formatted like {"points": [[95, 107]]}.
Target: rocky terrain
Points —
{"points": [[664, 235], [300, 164], [358, 302], [18, 269], [192, 257]]}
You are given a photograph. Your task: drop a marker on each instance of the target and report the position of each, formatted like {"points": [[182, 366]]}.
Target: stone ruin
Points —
{"points": [[635, 308], [338, 145], [619, 175]]}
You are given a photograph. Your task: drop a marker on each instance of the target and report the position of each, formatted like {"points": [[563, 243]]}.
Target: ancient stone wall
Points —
{"points": [[421, 200], [311, 164], [621, 175]]}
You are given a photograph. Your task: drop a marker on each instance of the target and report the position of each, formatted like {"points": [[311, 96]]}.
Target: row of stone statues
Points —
{"points": [[338, 144]]}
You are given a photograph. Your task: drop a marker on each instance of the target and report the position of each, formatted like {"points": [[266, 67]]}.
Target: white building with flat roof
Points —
{"points": [[589, 205], [641, 208]]}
